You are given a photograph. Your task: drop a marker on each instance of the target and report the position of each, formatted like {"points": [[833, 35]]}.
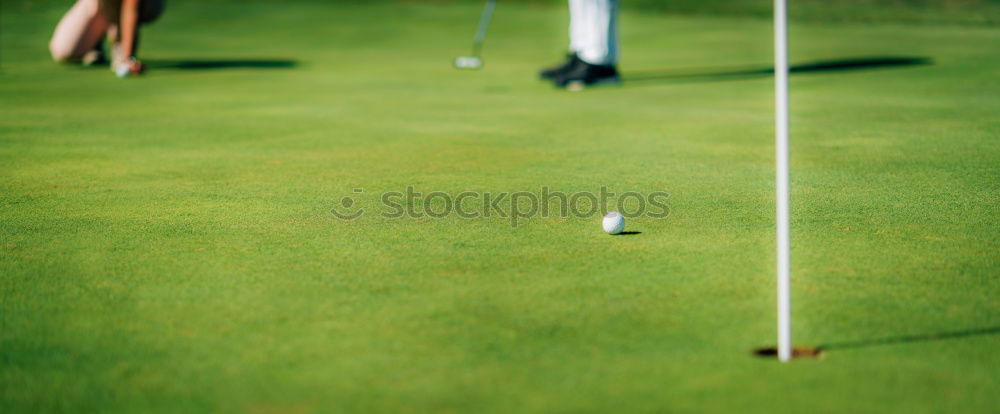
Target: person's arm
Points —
{"points": [[129, 25], [128, 28]]}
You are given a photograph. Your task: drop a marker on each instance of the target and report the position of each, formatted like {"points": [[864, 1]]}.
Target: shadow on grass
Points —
{"points": [[820, 351], [211, 64], [628, 233], [906, 339], [754, 72]]}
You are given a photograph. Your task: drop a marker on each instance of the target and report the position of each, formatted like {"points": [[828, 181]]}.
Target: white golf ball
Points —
{"points": [[122, 71], [613, 223]]}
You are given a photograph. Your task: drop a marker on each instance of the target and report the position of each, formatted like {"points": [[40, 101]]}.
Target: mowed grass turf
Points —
{"points": [[166, 243]]}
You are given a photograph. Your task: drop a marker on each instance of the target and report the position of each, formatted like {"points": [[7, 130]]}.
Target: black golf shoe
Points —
{"points": [[571, 62], [586, 75]]}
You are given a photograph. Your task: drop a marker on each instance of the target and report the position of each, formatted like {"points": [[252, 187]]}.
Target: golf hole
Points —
{"points": [[797, 352]]}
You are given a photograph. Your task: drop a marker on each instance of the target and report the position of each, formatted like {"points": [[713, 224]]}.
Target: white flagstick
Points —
{"points": [[781, 155]]}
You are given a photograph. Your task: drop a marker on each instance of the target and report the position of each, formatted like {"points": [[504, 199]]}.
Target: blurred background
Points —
{"points": [[166, 242], [926, 11]]}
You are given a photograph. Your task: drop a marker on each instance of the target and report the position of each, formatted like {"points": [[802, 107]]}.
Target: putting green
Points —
{"points": [[166, 243]]}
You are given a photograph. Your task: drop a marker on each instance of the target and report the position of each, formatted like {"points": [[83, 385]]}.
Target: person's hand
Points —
{"points": [[117, 54], [127, 67]]}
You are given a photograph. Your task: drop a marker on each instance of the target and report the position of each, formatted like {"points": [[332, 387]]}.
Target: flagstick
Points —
{"points": [[781, 155]]}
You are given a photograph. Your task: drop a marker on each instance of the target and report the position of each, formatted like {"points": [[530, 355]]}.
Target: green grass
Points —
{"points": [[964, 12], [166, 243]]}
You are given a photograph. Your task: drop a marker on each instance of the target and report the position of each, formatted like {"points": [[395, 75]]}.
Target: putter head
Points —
{"points": [[468, 62]]}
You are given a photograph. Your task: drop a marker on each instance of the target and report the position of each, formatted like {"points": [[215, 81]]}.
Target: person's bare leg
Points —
{"points": [[80, 31]]}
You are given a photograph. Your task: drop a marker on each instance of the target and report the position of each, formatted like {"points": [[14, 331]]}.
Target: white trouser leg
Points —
{"points": [[593, 30], [576, 27]]}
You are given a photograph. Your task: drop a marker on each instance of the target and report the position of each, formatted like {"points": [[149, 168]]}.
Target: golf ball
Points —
{"points": [[613, 223], [122, 71]]}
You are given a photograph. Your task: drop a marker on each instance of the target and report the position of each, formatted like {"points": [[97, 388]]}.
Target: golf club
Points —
{"points": [[473, 61]]}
